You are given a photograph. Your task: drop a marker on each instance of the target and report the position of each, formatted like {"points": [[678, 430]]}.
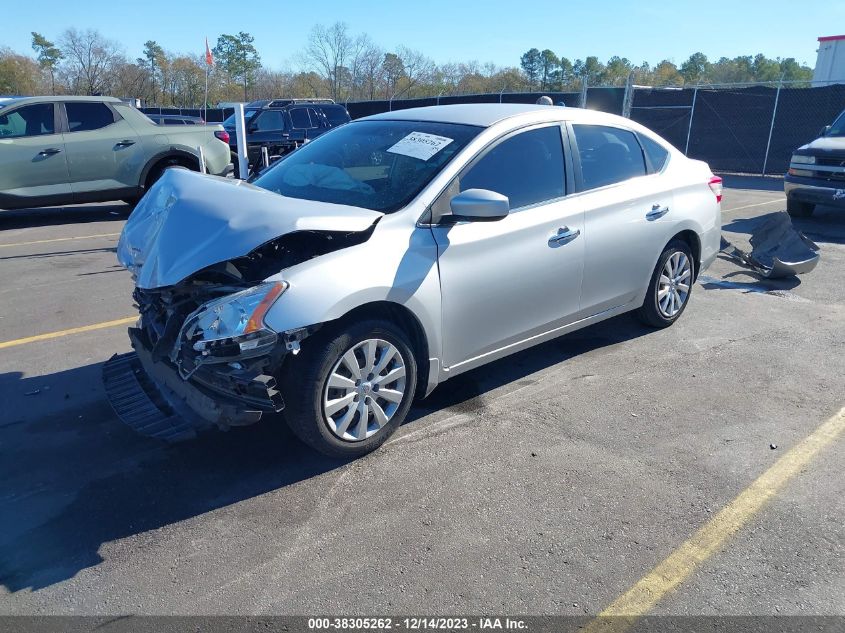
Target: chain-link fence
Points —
{"points": [[743, 128], [739, 128]]}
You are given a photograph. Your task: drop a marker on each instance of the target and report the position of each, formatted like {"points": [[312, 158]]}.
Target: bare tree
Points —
{"points": [[330, 50], [417, 69], [90, 60]]}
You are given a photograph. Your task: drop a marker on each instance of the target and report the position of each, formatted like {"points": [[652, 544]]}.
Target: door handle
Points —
{"points": [[564, 236], [125, 143], [49, 151], [656, 212]]}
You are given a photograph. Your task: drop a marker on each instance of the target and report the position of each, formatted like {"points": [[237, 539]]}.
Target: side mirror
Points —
{"points": [[824, 130], [480, 205]]}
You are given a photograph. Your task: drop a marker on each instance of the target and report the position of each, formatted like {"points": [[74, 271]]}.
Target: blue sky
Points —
{"points": [[455, 30]]}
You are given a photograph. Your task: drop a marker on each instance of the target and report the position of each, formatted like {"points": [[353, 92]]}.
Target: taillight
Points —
{"points": [[223, 135], [716, 187]]}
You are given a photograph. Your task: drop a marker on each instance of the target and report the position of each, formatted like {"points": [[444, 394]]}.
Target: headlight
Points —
{"points": [[232, 326], [800, 159]]}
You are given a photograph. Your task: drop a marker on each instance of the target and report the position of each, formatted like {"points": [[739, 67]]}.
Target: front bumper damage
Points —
{"points": [[149, 395]]}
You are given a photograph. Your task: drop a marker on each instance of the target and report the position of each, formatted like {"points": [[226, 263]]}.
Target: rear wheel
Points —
{"points": [[168, 163], [799, 209], [347, 391], [670, 287]]}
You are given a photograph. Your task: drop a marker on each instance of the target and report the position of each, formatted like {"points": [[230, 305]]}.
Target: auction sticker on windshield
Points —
{"points": [[420, 145]]}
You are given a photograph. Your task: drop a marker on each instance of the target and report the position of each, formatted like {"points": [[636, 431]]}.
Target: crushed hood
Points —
{"points": [[188, 221]]}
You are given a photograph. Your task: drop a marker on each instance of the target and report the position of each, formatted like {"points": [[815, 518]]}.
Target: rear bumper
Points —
{"points": [[227, 172], [814, 190], [150, 396]]}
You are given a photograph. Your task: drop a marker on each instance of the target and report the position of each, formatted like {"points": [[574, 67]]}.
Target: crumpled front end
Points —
{"points": [[207, 258]]}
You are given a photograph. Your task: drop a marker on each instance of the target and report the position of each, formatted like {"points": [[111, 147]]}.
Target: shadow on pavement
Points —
{"points": [[73, 478], [50, 216]]}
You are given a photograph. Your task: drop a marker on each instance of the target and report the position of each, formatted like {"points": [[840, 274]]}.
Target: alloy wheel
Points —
{"points": [[364, 389], [674, 284]]}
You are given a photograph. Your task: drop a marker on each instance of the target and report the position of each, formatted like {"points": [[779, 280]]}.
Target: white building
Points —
{"points": [[830, 63]]}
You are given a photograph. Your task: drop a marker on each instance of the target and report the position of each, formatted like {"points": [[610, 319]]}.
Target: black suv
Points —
{"points": [[817, 172], [282, 125]]}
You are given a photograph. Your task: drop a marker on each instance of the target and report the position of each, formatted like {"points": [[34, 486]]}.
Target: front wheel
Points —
{"points": [[670, 286], [347, 391]]}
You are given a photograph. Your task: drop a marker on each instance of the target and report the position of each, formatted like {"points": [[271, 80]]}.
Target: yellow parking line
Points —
{"points": [[74, 330], [62, 239], [675, 569]]}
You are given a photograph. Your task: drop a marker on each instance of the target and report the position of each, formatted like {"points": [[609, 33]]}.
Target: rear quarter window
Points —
{"points": [[657, 155]]}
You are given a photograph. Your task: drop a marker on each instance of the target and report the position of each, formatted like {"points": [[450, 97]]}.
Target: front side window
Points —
{"points": [[837, 128], [31, 120], [527, 168], [269, 121], [378, 165], [83, 117], [335, 115], [608, 155], [248, 114]]}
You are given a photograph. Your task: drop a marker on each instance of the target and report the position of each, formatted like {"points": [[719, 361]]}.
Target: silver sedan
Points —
{"points": [[394, 253]]}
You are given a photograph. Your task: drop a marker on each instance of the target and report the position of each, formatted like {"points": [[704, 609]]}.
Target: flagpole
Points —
{"points": [[205, 101]]}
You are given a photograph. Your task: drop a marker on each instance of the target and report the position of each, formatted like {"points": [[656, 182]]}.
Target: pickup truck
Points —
{"points": [[817, 172], [68, 150]]}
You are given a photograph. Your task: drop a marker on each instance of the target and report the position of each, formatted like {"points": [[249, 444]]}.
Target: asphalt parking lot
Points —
{"points": [[547, 483]]}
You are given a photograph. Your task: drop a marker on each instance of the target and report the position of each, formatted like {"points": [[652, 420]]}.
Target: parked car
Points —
{"points": [[817, 172], [282, 125], [68, 150], [175, 119], [394, 253]]}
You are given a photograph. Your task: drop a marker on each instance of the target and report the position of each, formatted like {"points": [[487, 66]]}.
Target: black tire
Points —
{"points": [[158, 170], [650, 312], [799, 209], [304, 383]]}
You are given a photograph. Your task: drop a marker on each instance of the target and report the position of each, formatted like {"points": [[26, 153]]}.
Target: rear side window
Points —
{"points": [[299, 118], [31, 120], [174, 122], [657, 154], [527, 168], [608, 155], [82, 116], [269, 120], [335, 115]]}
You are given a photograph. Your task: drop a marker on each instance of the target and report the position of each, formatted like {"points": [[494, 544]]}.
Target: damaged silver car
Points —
{"points": [[394, 253]]}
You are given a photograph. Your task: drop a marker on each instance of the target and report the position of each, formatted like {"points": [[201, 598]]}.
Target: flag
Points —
{"points": [[209, 58]]}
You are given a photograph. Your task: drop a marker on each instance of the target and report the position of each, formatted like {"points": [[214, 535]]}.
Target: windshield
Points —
{"points": [[838, 127], [248, 114], [378, 165]]}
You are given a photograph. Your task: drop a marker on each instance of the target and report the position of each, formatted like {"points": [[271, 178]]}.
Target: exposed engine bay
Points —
{"points": [[206, 272]]}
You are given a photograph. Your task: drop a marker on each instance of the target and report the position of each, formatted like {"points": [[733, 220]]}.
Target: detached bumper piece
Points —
{"points": [[777, 249], [129, 391], [153, 399]]}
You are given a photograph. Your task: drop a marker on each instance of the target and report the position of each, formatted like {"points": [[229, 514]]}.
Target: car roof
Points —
{"points": [[488, 114], [54, 98]]}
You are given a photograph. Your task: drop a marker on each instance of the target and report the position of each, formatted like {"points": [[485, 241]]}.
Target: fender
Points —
{"points": [[172, 152]]}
